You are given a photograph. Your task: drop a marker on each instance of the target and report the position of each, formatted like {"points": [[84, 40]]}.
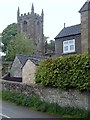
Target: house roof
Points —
{"points": [[85, 7], [35, 59], [22, 58], [68, 31]]}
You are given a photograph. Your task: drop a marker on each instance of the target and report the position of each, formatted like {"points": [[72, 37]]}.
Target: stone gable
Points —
{"points": [[16, 69], [28, 72]]}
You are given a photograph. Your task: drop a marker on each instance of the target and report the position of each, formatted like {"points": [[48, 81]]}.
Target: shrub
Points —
{"points": [[65, 72]]}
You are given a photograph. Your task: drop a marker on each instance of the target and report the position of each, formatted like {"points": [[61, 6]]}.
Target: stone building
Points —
{"points": [[24, 67], [28, 71], [75, 39], [32, 25]]}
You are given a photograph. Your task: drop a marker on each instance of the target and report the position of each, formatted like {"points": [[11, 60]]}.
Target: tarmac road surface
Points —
{"points": [[10, 110]]}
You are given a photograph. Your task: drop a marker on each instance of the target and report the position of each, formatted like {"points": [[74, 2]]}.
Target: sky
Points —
{"points": [[56, 13]]}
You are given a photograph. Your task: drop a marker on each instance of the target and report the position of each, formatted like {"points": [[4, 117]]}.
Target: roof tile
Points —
{"points": [[68, 31], [33, 58]]}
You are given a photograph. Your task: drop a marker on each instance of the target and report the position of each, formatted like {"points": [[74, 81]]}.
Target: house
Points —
{"points": [[24, 67], [29, 69], [19, 62], [75, 39]]}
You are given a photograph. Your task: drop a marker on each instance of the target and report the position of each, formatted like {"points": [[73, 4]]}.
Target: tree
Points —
{"points": [[8, 33], [51, 45], [19, 44]]}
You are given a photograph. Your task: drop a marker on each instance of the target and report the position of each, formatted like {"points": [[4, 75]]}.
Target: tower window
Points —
{"points": [[38, 23], [25, 26], [25, 22]]}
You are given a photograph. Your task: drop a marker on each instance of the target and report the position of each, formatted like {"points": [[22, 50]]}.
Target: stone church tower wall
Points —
{"points": [[32, 25]]}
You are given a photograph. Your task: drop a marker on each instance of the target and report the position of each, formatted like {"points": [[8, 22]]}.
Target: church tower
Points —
{"points": [[32, 25], [85, 27]]}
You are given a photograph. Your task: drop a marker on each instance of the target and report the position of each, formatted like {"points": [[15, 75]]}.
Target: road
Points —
{"points": [[10, 110]]}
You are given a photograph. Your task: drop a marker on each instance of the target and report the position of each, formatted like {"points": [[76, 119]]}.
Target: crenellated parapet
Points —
{"points": [[28, 15]]}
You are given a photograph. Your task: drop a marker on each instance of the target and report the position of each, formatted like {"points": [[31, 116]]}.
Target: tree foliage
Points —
{"points": [[51, 45], [19, 44], [8, 33]]}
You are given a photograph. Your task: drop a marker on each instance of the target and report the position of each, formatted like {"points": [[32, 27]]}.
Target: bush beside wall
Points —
{"points": [[66, 72]]}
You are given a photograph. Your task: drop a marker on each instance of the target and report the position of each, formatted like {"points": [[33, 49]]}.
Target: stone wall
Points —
{"points": [[84, 31], [52, 95]]}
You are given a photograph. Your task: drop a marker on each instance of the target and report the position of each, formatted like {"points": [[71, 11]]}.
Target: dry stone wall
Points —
{"points": [[63, 98]]}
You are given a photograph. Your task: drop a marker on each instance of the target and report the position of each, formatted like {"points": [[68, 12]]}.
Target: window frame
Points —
{"points": [[67, 43]]}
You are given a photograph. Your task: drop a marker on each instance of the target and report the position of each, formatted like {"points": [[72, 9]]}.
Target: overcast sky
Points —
{"points": [[56, 13]]}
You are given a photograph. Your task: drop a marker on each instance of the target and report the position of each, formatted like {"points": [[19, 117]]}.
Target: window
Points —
{"points": [[69, 46], [25, 26]]}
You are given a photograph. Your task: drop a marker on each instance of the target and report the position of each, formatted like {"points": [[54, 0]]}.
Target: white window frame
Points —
{"points": [[67, 44]]}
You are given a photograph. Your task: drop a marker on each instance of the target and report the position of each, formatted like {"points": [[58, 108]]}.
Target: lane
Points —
{"points": [[12, 111], [2, 115], [0, 107]]}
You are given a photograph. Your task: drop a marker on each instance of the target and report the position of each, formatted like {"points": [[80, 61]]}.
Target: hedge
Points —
{"points": [[67, 72]]}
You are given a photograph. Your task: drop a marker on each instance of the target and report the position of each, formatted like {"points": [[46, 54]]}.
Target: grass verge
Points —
{"points": [[35, 103], [0, 94]]}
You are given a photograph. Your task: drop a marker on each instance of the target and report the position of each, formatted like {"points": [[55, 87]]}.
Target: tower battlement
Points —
{"points": [[28, 15]]}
